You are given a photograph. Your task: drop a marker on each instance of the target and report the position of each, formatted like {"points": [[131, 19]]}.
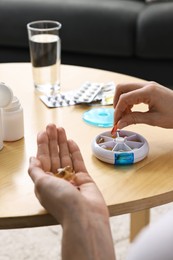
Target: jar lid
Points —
{"points": [[6, 95]]}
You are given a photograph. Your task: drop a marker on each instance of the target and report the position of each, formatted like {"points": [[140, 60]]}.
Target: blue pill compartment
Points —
{"points": [[126, 148], [124, 158]]}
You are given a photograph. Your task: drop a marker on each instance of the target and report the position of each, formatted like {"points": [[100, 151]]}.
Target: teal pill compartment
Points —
{"points": [[124, 158]]}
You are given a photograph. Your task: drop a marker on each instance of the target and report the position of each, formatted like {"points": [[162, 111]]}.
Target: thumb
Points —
{"points": [[34, 169]]}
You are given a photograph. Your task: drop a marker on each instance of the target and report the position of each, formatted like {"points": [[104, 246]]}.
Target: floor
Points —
{"points": [[44, 243]]}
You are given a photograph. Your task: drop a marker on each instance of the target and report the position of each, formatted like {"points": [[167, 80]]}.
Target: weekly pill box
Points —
{"points": [[125, 148]]}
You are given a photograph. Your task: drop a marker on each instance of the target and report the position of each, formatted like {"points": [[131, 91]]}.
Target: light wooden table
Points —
{"points": [[127, 189]]}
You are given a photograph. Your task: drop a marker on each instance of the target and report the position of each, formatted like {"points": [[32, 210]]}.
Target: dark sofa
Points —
{"points": [[127, 36]]}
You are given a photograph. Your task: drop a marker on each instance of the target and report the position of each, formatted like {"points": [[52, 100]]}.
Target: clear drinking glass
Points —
{"points": [[45, 54]]}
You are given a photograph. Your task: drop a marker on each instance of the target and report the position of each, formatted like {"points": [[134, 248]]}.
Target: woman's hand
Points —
{"points": [[57, 195], [78, 204], [158, 98]]}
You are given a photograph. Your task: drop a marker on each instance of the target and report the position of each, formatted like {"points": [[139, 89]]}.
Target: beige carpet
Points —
{"points": [[44, 243]]}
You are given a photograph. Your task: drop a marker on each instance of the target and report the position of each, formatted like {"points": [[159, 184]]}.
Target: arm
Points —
{"points": [[158, 98], [77, 205]]}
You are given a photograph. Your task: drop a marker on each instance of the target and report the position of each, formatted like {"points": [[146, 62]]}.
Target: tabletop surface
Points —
{"points": [[126, 189]]}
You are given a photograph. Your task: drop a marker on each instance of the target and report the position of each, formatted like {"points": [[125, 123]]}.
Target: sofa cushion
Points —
{"points": [[155, 31], [90, 26], [150, 1]]}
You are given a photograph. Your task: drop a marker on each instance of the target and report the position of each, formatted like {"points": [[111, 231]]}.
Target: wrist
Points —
{"points": [[89, 234]]}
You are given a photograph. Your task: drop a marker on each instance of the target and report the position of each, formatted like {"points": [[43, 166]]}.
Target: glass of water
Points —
{"points": [[45, 54]]}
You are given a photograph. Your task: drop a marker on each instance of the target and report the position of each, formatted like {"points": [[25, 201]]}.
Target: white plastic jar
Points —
{"points": [[12, 121], [1, 136], [6, 97]]}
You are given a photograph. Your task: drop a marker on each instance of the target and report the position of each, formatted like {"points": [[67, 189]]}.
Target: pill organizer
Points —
{"points": [[124, 148]]}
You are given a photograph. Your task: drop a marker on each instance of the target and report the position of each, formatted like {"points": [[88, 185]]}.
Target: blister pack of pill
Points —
{"points": [[59, 100], [86, 93]]}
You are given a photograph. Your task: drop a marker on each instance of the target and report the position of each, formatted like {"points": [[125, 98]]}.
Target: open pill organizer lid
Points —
{"points": [[101, 117]]}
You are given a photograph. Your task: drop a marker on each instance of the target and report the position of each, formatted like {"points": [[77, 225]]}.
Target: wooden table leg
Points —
{"points": [[138, 220]]}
